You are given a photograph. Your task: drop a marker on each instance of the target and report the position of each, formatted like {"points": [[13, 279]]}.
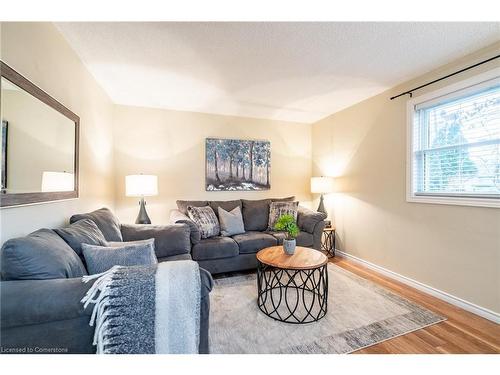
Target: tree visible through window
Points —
{"points": [[456, 145]]}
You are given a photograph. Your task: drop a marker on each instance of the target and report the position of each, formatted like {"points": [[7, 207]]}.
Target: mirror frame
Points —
{"points": [[17, 199]]}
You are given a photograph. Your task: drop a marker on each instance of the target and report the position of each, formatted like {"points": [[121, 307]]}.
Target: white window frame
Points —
{"points": [[493, 74]]}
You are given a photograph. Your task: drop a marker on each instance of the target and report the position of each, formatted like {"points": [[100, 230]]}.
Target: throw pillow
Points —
{"points": [[105, 221], [278, 209], [183, 205], [126, 243], [231, 223], [101, 258], [286, 199], [256, 214], [206, 220], [40, 255], [170, 239], [226, 205], [82, 231]]}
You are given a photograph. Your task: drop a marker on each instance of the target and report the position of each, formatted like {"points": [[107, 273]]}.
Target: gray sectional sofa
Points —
{"points": [[41, 285], [236, 253]]}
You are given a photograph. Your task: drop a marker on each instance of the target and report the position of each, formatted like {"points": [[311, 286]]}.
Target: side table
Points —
{"points": [[292, 288], [328, 243]]}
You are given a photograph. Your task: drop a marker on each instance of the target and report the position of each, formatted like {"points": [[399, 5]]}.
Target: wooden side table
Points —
{"points": [[328, 243]]}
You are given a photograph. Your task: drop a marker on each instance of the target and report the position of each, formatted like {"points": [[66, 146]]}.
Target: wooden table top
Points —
{"points": [[304, 258]]}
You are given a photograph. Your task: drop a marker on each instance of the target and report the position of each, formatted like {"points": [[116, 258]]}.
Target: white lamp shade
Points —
{"points": [[57, 181], [141, 185], [322, 185]]}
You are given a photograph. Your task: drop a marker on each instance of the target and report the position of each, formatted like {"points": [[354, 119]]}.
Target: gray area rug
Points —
{"points": [[360, 314]]}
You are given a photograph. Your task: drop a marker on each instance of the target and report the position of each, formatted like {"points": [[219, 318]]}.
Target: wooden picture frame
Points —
{"points": [[3, 154], [17, 199]]}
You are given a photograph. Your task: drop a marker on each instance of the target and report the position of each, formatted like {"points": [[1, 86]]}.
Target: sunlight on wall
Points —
{"points": [[171, 145]]}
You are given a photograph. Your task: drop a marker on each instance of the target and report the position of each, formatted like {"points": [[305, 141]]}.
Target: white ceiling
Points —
{"points": [[284, 71]]}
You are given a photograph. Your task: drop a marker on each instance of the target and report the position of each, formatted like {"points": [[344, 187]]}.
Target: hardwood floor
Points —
{"points": [[462, 332]]}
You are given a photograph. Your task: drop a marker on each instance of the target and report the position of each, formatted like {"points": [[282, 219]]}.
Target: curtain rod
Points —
{"points": [[410, 92]]}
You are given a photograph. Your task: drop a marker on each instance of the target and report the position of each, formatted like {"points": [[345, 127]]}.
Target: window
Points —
{"points": [[454, 144]]}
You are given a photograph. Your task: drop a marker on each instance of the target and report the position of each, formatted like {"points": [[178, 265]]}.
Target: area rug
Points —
{"points": [[360, 314]]}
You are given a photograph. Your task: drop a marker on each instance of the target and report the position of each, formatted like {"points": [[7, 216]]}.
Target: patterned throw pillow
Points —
{"points": [[206, 220], [278, 209]]}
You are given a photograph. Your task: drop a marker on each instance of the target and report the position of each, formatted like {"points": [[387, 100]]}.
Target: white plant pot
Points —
{"points": [[289, 246]]}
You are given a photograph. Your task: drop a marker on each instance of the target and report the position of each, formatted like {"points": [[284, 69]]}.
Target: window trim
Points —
{"points": [[463, 200]]}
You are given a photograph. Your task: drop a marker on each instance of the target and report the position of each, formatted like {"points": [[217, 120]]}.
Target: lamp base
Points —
{"points": [[321, 207], [143, 217]]}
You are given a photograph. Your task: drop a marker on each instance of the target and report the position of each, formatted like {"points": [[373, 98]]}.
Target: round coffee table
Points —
{"points": [[292, 288]]}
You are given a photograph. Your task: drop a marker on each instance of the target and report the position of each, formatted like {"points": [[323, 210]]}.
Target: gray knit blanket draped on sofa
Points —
{"points": [[146, 309]]}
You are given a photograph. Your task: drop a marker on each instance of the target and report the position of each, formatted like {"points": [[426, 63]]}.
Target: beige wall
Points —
{"points": [[40, 53], [171, 144], [453, 248], [167, 143]]}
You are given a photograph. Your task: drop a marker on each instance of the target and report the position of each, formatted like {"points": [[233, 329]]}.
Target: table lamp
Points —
{"points": [[141, 185], [322, 185]]}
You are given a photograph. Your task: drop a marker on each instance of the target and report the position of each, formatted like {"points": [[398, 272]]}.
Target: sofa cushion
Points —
{"points": [[183, 205], [225, 205], [206, 220], [280, 236], [81, 231], [101, 258], [255, 214], [234, 264], [38, 256], [105, 221], [215, 248], [231, 223], [173, 239], [175, 257], [303, 239], [34, 302], [252, 242], [178, 217]]}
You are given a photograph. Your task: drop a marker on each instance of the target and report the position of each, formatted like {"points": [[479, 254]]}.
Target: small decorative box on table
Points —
{"points": [[292, 288]]}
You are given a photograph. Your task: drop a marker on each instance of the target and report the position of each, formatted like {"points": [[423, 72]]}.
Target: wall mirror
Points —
{"points": [[39, 144]]}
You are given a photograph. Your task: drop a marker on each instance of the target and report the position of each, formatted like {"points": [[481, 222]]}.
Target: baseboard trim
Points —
{"points": [[456, 301]]}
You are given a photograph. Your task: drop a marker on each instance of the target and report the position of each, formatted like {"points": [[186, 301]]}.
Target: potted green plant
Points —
{"points": [[287, 224]]}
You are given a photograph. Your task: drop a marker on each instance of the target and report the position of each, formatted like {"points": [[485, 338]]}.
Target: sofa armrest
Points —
{"points": [[28, 307], [169, 239], [177, 217], [318, 235], [307, 219], [312, 222], [206, 286], [207, 282], [26, 302]]}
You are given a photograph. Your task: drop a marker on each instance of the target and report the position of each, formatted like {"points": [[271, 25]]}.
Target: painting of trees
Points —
{"points": [[233, 164]]}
